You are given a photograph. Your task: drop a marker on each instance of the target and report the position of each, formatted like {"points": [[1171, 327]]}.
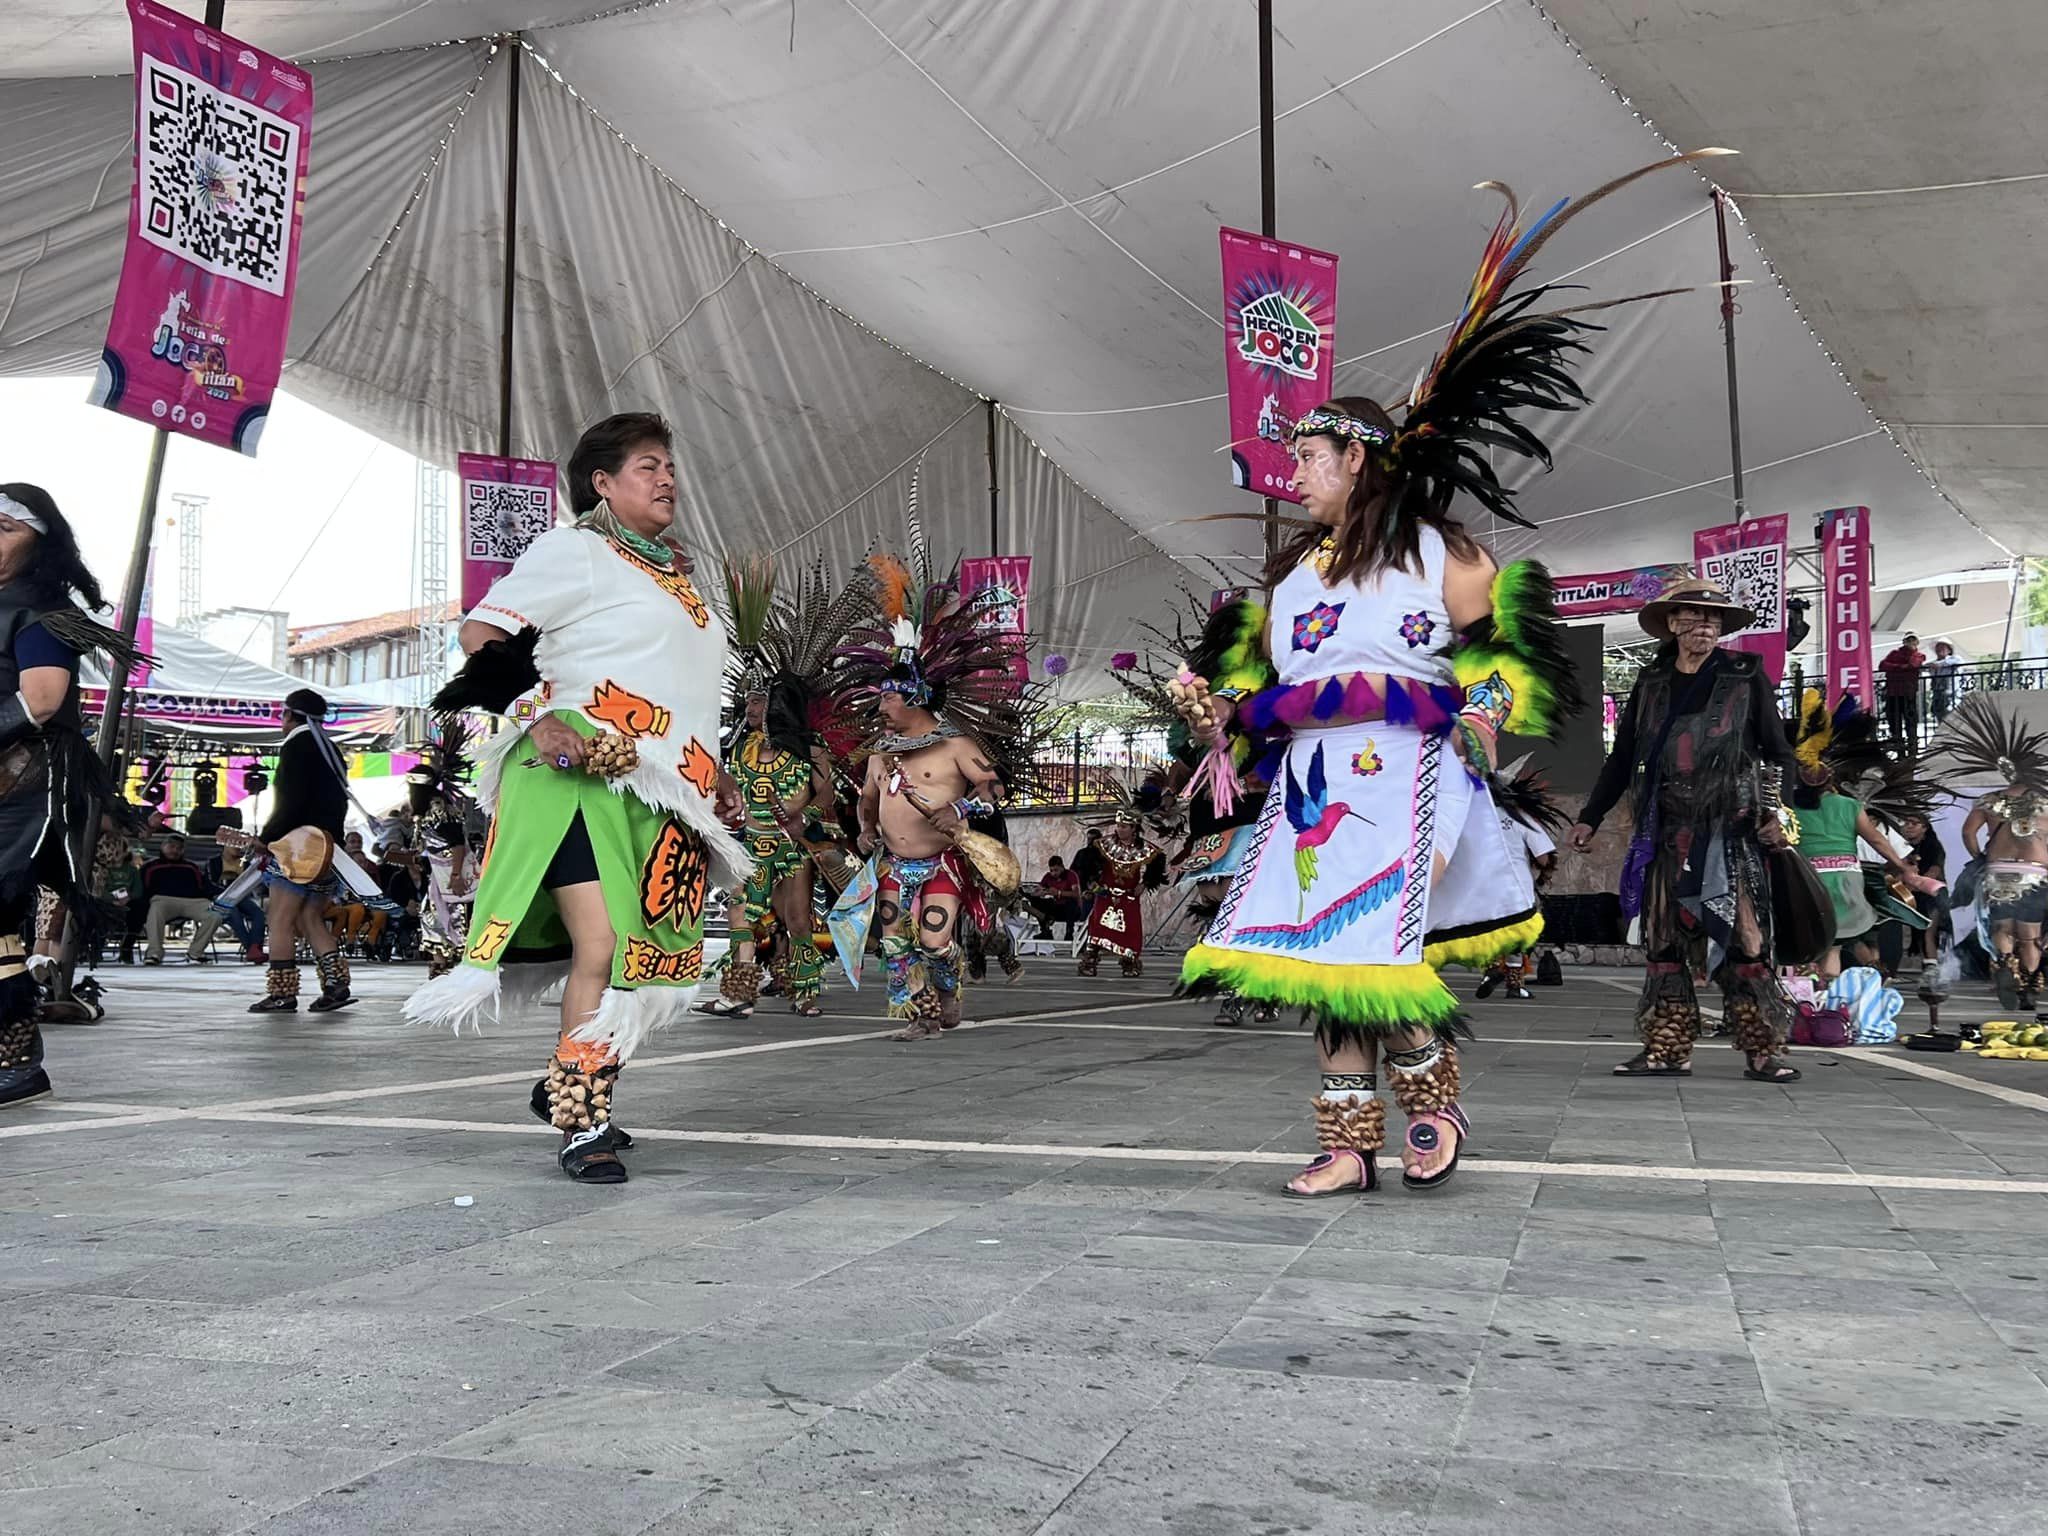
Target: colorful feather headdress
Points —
{"points": [[1842, 746], [1983, 739], [1503, 355], [926, 641]]}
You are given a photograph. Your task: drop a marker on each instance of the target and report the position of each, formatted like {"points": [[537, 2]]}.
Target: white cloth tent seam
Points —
{"points": [[1756, 247], [988, 133], [377, 26], [612, 384], [752, 249], [1360, 357], [887, 475], [1124, 186], [419, 191], [1939, 186], [1701, 485]]}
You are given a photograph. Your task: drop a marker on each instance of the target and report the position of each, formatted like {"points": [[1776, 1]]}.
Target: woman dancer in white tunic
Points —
{"points": [[1368, 694]]}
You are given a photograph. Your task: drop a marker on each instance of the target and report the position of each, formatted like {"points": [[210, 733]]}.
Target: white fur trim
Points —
{"points": [[529, 985], [625, 1017], [456, 1000]]}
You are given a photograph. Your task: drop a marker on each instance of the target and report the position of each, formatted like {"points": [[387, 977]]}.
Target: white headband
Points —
{"points": [[14, 509]]}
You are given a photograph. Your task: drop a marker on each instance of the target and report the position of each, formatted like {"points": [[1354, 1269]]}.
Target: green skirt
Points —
{"points": [[654, 872]]}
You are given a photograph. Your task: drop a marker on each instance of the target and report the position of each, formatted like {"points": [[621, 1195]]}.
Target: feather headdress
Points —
{"points": [[1842, 746], [1503, 355], [926, 641], [1983, 739]]}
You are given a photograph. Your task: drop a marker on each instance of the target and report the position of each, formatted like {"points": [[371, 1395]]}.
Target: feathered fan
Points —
{"points": [[1983, 739]]}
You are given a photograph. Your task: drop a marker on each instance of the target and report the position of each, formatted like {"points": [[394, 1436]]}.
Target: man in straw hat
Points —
{"points": [[1700, 750]]}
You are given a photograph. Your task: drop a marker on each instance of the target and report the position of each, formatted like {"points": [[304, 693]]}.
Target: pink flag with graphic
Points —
{"points": [[1747, 561], [506, 505], [1004, 585], [1280, 338], [198, 333]]}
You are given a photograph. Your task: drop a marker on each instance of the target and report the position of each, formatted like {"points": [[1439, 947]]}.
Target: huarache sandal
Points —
{"points": [[719, 1008], [1368, 1176], [1640, 1065], [588, 1157], [539, 1105], [1772, 1071], [807, 1010], [1425, 1139]]}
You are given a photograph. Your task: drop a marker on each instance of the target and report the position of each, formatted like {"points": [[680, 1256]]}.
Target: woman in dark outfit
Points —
{"points": [[1700, 751], [49, 775], [310, 789]]}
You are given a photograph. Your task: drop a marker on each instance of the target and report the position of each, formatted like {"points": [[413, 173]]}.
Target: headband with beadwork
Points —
{"points": [[1321, 422]]}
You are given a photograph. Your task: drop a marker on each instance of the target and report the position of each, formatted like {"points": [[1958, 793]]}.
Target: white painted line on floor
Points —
{"points": [[1171, 1154], [101, 1123], [1894, 1061]]}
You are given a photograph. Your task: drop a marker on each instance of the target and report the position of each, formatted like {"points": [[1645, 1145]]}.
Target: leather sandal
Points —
{"points": [[1772, 1071], [589, 1157], [1426, 1138], [1640, 1065], [1368, 1175]]}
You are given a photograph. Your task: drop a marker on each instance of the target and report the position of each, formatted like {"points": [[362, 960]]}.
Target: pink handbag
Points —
{"points": [[1828, 1028]]}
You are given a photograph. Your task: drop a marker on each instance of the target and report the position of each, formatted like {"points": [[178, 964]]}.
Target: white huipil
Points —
{"points": [[633, 648], [1339, 895]]}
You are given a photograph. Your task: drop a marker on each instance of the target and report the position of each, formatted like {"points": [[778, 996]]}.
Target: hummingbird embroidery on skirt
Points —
{"points": [[1314, 819]]}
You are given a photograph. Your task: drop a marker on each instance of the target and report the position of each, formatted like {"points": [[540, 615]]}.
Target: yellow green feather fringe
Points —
{"points": [[1243, 665], [1526, 649], [1476, 951], [1372, 997]]}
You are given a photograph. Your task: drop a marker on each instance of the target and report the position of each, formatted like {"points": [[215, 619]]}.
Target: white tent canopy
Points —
{"points": [[822, 236]]}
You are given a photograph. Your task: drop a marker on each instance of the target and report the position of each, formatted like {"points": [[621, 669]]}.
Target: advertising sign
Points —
{"points": [[506, 505], [1280, 338], [1747, 560], [200, 318]]}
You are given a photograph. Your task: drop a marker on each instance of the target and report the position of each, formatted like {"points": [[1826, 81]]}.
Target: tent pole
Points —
{"points": [[512, 44], [1728, 341], [1268, 197], [86, 839], [995, 486]]}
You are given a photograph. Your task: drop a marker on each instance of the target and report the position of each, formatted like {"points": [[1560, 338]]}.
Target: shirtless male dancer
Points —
{"points": [[2008, 829], [925, 779]]}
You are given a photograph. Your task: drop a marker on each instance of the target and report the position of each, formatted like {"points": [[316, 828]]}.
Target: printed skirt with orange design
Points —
{"points": [[654, 873]]}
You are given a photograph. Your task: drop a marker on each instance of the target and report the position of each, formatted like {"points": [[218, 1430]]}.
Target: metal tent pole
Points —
{"points": [[995, 488], [512, 44], [1728, 341], [1268, 197]]}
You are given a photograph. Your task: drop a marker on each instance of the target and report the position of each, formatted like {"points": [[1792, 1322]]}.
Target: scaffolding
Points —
{"points": [[429, 591], [191, 521]]}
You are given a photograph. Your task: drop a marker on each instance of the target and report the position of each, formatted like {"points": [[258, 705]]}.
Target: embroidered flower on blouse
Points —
{"points": [[1416, 628], [1366, 761], [1311, 629]]}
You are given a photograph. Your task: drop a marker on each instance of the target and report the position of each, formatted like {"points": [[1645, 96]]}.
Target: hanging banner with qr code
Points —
{"points": [[200, 319], [1846, 577], [1280, 339], [506, 505], [1747, 561], [1003, 583]]}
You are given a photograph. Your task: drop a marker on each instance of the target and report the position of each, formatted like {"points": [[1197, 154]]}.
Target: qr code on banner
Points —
{"points": [[1755, 578], [500, 520], [216, 176]]}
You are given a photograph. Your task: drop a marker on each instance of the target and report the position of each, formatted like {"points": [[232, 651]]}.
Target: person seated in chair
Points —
{"points": [[174, 889]]}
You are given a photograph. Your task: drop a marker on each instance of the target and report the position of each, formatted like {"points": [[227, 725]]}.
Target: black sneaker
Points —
{"points": [[1486, 985], [1521, 993], [18, 1085]]}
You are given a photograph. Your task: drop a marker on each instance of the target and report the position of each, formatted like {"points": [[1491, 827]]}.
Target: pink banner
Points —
{"points": [[1605, 592], [200, 319], [1846, 575], [1006, 581], [1747, 560], [1280, 330], [506, 505]]}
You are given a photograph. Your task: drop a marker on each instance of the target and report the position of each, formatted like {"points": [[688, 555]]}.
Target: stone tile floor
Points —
{"points": [[1030, 1278]]}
